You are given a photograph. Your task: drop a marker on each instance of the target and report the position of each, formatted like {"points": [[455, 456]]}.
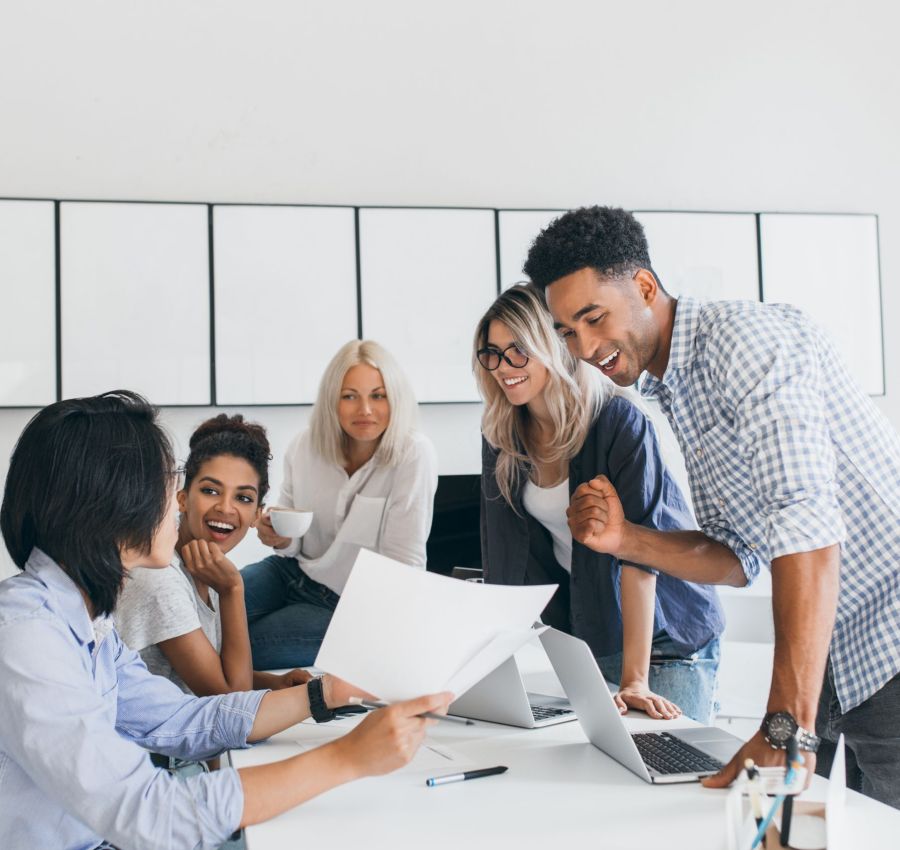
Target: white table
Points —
{"points": [[559, 792]]}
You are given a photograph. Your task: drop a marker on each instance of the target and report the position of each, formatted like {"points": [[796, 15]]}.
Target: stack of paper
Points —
{"points": [[400, 633]]}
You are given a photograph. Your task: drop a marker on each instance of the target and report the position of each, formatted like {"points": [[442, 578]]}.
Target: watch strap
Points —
{"points": [[321, 713], [807, 740]]}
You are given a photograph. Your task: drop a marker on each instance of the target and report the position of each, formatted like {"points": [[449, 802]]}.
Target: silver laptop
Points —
{"points": [[677, 755], [500, 697]]}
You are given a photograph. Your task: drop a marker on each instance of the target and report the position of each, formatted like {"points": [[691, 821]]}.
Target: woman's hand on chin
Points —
{"points": [[207, 564]]}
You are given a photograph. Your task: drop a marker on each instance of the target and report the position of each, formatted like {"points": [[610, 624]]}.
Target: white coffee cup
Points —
{"points": [[290, 523]]}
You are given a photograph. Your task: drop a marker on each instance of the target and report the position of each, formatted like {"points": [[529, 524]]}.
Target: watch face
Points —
{"points": [[780, 727]]}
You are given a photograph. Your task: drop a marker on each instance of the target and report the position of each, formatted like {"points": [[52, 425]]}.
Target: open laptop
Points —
{"points": [[500, 697], [677, 755]]}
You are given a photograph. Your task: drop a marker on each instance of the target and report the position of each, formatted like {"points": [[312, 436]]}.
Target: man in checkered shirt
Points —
{"points": [[792, 467]]}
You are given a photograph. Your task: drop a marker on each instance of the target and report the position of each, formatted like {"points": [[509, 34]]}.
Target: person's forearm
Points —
{"points": [[237, 662], [804, 601], [278, 710], [263, 680], [688, 555], [638, 605], [271, 789]]}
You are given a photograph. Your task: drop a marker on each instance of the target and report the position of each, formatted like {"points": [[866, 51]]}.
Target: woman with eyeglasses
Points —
{"points": [[549, 425], [368, 476], [90, 497]]}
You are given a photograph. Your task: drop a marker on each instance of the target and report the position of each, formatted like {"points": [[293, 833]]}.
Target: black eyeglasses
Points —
{"points": [[490, 357]]}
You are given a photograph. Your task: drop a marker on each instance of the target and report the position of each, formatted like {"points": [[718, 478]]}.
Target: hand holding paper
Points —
{"points": [[399, 632]]}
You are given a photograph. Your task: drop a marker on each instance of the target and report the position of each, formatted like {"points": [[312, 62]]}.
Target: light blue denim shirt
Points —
{"points": [[77, 707]]}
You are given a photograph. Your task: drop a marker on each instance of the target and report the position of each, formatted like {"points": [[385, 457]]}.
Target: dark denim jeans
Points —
{"points": [[288, 613], [871, 736]]}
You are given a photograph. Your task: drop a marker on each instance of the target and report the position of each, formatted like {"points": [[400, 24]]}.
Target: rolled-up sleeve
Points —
{"points": [[772, 383], [155, 713], [751, 562], [60, 725]]}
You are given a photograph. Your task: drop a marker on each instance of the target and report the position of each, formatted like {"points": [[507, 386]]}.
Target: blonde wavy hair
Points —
{"points": [[574, 392], [326, 435]]}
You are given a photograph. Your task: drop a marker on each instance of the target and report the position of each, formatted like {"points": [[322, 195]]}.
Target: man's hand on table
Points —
{"points": [[758, 749]]}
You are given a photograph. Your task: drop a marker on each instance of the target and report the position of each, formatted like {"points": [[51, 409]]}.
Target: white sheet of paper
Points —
{"points": [[836, 801], [399, 632], [490, 657]]}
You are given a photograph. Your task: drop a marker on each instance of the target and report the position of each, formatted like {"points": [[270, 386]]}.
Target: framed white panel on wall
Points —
{"points": [[135, 300], [517, 230], [828, 266], [285, 299], [28, 298], [711, 256], [427, 277]]}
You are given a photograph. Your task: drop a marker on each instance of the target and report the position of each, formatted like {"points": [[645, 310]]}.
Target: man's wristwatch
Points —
{"points": [[778, 727], [320, 711]]}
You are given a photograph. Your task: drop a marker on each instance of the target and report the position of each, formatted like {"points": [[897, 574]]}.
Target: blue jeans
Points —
{"points": [[288, 613], [688, 682]]}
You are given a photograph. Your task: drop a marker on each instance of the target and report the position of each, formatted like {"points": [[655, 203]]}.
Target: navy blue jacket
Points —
{"points": [[516, 549]]}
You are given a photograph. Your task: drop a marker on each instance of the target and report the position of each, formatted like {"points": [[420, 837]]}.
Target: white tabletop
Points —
{"points": [[560, 791]]}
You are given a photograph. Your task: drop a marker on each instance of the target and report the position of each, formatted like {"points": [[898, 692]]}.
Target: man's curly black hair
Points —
{"points": [[608, 239]]}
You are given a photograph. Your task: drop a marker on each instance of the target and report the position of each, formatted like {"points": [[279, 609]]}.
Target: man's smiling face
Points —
{"points": [[607, 322]]}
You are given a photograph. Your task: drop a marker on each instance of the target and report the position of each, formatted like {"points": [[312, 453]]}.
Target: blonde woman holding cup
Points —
{"points": [[367, 476]]}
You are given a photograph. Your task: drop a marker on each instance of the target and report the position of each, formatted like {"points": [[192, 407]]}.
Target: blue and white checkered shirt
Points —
{"points": [[786, 454]]}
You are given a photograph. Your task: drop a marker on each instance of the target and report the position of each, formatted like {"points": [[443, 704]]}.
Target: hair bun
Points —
{"points": [[225, 424]]}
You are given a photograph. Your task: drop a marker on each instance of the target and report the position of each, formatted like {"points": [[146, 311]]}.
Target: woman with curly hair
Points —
{"points": [[188, 621]]}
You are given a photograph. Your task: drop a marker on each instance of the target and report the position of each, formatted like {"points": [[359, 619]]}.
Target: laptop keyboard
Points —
{"points": [[665, 754], [544, 712]]}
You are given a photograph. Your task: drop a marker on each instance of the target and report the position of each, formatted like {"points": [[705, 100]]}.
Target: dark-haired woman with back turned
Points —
{"points": [[90, 496], [188, 621]]}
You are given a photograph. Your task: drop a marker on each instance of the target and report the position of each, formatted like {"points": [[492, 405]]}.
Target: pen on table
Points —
{"points": [[753, 789], [372, 703], [788, 780], [462, 777]]}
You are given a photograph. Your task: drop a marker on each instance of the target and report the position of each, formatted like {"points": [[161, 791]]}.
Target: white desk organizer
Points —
{"points": [[814, 825]]}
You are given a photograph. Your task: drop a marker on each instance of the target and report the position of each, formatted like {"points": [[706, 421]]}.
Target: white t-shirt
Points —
{"points": [[156, 605], [383, 508], [548, 506]]}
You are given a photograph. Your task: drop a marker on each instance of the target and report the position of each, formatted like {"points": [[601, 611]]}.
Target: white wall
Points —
{"points": [[654, 105]]}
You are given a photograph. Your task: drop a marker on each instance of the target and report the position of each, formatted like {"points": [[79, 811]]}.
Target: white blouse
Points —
{"points": [[383, 508], [548, 506]]}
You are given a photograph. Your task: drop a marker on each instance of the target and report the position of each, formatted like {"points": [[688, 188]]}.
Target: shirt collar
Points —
{"points": [[684, 330], [67, 598]]}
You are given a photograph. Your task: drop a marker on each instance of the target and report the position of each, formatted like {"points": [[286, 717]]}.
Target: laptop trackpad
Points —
{"points": [[715, 742]]}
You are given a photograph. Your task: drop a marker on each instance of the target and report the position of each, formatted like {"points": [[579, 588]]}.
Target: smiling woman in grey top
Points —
{"points": [[188, 620]]}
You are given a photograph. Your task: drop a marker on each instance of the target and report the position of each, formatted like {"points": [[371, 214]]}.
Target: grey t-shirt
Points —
{"points": [[159, 604]]}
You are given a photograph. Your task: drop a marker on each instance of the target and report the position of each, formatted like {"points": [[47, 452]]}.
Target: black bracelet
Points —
{"points": [[320, 711]]}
